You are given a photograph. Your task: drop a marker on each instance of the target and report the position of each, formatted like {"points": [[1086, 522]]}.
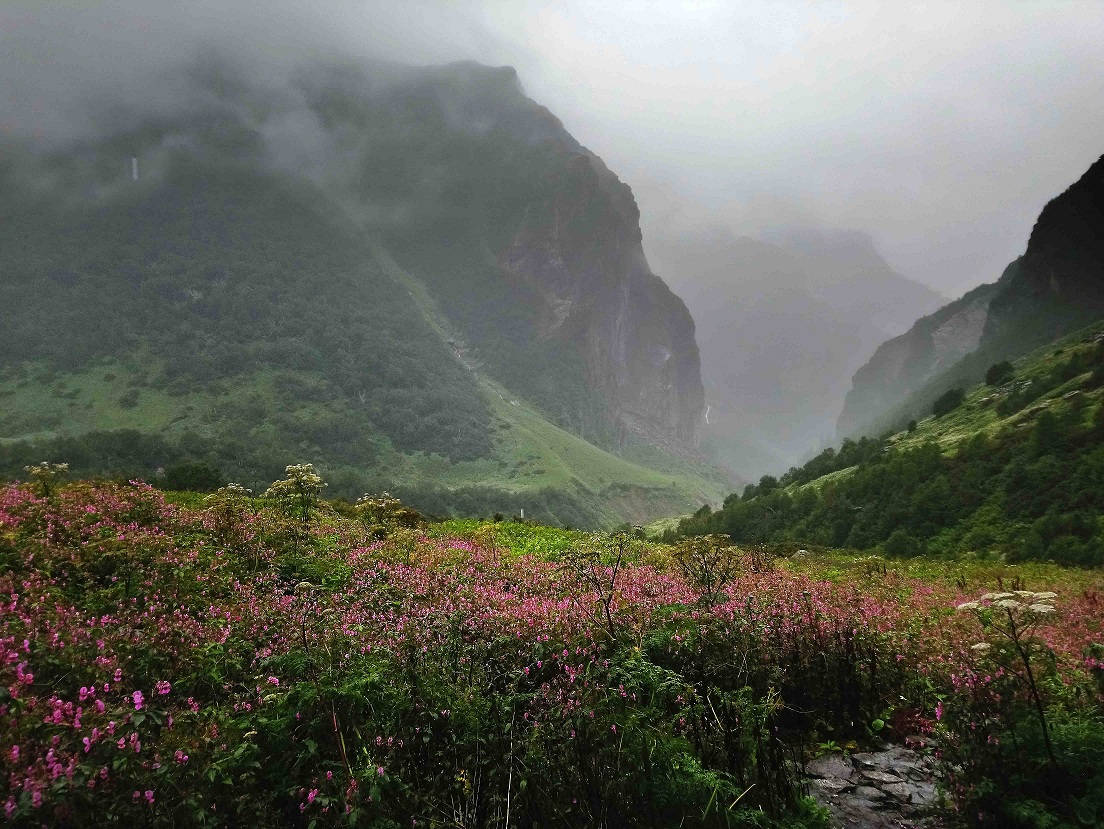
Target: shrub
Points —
{"points": [[999, 373], [192, 477], [948, 402]]}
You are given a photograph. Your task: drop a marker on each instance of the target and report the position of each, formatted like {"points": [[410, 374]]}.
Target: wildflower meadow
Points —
{"points": [[286, 661]]}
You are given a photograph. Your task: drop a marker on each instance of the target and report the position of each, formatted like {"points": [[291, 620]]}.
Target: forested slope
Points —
{"points": [[1015, 469]]}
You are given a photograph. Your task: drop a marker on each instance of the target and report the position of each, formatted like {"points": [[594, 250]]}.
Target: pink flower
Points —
{"points": [[312, 795], [149, 796], [273, 681], [939, 710], [163, 687], [138, 698]]}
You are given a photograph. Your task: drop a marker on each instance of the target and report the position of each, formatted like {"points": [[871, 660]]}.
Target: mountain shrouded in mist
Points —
{"points": [[1054, 288], [368, 265], [781, 327]]}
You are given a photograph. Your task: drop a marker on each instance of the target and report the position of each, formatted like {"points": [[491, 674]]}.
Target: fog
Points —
{"points": [[938, 129]]}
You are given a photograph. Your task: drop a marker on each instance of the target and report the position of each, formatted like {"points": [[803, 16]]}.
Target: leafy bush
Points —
{"points": [[192, 477], [999, 373], [230, 665], [948, 402]]}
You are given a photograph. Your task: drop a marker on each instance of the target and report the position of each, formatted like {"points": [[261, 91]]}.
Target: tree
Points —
{"points": [[998, 373], [948, 402], [193, 477]]}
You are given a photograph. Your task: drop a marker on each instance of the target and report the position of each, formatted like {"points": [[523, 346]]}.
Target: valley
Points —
{"points": [[707, 432]]}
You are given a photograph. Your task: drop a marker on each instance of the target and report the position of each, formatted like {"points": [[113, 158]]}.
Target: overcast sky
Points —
{"points": [[941, 129]]}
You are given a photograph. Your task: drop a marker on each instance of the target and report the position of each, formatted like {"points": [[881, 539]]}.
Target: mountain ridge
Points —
{"points": [[234, 288]]}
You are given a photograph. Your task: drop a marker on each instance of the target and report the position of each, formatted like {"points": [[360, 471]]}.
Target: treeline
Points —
{"points": [[1031, 494]]}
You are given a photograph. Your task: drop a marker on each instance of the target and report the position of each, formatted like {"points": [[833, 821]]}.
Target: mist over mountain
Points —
{"points": [[781, 326]]}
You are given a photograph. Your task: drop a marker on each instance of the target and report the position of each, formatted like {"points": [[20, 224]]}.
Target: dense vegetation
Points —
{"points": [[281, 661], [1026, 480]]}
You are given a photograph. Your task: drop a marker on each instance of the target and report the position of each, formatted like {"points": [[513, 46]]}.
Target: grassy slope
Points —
{"points": [[977, 414]]}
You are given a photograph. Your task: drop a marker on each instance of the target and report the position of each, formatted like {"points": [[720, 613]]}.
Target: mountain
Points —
{"points": [[1013, 469], [781, 326], [1056, 286], [413, 277]]}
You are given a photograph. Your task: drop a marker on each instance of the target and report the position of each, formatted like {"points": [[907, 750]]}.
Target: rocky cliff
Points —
{"points": [[902, 364], [581, 251], [781, 327], [377, 268], [1056, 287], [564, 235], [1060, 281]]}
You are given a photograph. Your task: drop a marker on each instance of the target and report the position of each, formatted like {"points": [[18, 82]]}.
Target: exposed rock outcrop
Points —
{"points": [[582, 254], [1061, 274], [888, 789], [900, 365]]}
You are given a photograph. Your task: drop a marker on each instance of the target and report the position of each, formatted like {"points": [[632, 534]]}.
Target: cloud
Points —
{"points": [[942, 128], [939, 128]]}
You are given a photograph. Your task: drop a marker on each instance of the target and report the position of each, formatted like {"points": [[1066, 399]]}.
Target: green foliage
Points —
{"points": [[192, 477], [948, 402], [298, 491], [1028, 488], [999, 373], [219, 267]]}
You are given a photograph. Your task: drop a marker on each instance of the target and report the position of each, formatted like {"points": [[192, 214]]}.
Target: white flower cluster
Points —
{"points": [[301, 480], [1040, 603], [46, 470]]}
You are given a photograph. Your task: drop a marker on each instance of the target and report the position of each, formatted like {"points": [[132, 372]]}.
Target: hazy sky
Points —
{"points": [[939, 128]]}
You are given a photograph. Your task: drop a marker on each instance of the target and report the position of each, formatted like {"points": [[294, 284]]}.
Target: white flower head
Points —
{"points": [[981, 647], [1008, 604], [1041, 608]]}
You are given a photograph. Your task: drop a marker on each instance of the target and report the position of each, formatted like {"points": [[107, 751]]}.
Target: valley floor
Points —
{"points": [[281, 661]]}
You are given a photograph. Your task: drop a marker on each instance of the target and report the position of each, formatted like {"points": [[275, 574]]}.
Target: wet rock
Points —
{"points": [[899, 791], [887, 788], [880, 777], [831, 785], [869, 793], [830, 765]]}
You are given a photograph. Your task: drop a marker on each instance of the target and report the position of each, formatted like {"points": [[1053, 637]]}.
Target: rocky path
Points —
{"points": [[891, 788]]}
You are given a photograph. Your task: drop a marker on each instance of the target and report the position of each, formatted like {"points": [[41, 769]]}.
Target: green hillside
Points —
{"points": [[1016, 469], [242, 304]]}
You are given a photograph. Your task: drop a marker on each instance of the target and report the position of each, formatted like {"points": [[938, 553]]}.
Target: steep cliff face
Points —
{"points": [[902, 364], [1060, 281], [781, 327], [548, 224], [581, 252], [1056, 287]]}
